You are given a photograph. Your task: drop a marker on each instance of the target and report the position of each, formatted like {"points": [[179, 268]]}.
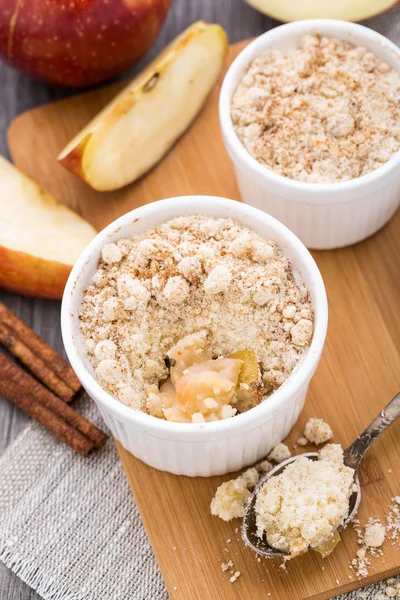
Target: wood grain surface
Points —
{"points": [[359, 372]]}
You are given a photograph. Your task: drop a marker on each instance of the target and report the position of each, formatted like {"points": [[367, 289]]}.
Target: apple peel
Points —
{"points": [[132, 133]]}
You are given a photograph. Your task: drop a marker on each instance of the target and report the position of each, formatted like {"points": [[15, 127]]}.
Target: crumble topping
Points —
{"points": [[231, 496], [323, 113], [316, 431], [230, 499], [304, 506], [374, 535], [195, 320], [302, 441], [280, 453]]}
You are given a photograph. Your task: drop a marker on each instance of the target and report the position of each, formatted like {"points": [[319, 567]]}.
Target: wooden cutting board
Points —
{"points": [[358, 374]]}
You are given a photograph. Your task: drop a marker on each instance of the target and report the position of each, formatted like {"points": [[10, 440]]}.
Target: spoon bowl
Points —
{"points": [[249, 526], [352, 457]]}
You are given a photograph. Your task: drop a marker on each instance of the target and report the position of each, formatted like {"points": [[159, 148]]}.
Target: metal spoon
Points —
{"points": [[352, 458]]}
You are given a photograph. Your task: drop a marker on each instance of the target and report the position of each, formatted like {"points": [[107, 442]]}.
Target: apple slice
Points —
{"points": [[250, 386], [138, 127], [40, 239], [294, 10]]}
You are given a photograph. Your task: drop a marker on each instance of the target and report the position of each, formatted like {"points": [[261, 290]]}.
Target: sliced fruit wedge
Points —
{"points": [[249, 391], [138, 127], [40, 239], [294, 10]]}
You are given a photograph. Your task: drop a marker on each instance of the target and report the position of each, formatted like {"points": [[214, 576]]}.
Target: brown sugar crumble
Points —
{"points": [[195, 320], [323, 113]]}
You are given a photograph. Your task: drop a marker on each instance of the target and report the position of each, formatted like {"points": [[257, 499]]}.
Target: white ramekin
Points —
{"points": [[322, 215], [210, 448]]}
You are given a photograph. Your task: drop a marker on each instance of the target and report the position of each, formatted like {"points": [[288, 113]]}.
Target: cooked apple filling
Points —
{"points": [[195, 320], [201, 388]]}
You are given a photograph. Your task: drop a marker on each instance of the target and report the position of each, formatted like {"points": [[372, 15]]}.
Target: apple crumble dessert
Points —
{"points": [[303, 507], [323, 113], [195, 320]]}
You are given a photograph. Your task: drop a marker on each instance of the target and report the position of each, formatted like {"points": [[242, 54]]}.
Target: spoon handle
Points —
{"points": [[354, 453]]}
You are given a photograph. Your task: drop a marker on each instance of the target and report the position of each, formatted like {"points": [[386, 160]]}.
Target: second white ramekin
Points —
{"points": [[209, 448], [322, 215]]}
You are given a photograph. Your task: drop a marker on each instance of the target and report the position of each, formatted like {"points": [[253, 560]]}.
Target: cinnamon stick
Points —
{"points": [[52, 422], [22, 389], [40, 348], [21, 351]]}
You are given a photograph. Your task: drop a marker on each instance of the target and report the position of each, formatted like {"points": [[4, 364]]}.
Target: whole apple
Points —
{"points": [[78, 42]]}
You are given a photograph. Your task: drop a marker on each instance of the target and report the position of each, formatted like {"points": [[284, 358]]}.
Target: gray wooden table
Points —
{"points": [[19, 93]]}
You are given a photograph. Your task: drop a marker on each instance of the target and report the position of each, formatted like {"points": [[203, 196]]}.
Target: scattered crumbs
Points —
{"points": [[302, 441], [258, 559], [322, 568], [234, 577], [370, 540], [264, 466], [225, 566], [228, 541], [173, 547], [374, 534], [175, 588], [236, 529], [337, 581], [226, 549], [389, 470], [393, 519], [279, 453]]}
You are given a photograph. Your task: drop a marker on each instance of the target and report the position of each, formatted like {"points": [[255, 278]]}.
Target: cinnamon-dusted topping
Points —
{"points": [[325, 112], [204, 289]]}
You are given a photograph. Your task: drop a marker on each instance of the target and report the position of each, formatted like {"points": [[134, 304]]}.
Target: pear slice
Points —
{"points": [[40, 239], [294, 10], [249, 391], [132, 133]]}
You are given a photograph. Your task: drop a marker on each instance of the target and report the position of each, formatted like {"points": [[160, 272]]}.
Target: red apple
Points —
{"points": [[78, 42]]}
